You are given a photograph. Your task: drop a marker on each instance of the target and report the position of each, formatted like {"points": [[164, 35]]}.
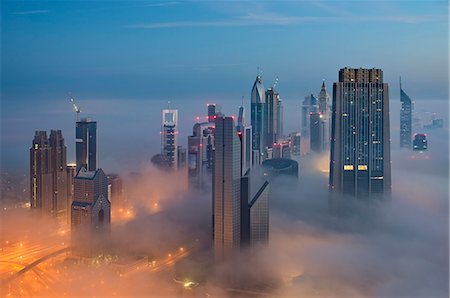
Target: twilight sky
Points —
{"points": [[124, 59]]}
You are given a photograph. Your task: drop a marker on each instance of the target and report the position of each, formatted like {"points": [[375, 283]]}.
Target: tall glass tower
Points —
{"points": [[258, 100], [226, 188], [86, 144], [360, 163], [405, 119]]}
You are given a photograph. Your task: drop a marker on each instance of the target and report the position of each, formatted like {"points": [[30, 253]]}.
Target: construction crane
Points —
{"points": [[76, 108]]}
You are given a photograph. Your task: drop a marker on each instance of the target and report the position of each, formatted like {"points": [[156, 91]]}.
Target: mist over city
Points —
{"points": [[224, 149]]}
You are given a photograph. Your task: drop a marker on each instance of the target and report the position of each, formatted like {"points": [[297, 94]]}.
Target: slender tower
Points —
{"points": [[258, 100]]}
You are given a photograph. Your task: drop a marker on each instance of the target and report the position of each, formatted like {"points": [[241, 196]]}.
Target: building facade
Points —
{"points": [[360, 163]]}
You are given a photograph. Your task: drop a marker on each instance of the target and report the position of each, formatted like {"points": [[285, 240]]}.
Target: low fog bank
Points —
{"points": [[389, 248]]}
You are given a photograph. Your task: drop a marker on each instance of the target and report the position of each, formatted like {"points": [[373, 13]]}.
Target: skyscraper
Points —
{"points": [[360, 162], [213, 110], [86, 144], [245, 135], [48, 178], [90, 211], [169, 136], [271, 122], [226, 188], [405, 119], [254, 211], [280, 119], [258, 101], [200, 154], [316, 131], [323, 100], [309, 106]]}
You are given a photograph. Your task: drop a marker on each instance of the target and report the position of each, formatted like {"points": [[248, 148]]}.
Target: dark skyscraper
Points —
{"points": [[360, 162], [48, 178], [258, 102], [86, 144], [405, 119]]}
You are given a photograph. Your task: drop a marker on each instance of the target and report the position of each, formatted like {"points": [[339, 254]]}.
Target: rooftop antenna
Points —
{"points": [[168, 105], [242, 100], [275, 83], [400, 79], [76, 108]]}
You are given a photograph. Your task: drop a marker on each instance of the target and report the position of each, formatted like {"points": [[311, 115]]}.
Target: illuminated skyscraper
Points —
{"points": [[86, 144], [226, 188], [48, 178], [169, 137], [360, 162], [258, 101], [405, 119]]}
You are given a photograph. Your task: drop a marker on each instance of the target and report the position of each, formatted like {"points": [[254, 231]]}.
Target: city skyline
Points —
{"points": [[119, 84], [224, 148]]}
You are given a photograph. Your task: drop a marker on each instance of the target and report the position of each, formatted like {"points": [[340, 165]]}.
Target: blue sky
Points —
{"points": [[121, 52]]}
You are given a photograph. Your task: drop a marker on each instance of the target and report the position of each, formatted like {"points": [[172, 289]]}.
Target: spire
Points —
{"points": [[400, 80], [323, 85]]}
